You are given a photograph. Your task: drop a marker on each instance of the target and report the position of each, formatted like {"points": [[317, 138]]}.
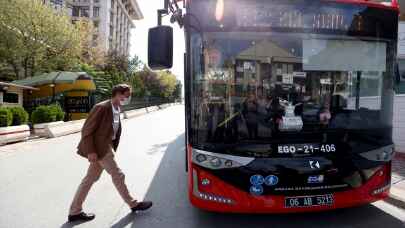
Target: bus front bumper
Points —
{"points": [[219, 196]]}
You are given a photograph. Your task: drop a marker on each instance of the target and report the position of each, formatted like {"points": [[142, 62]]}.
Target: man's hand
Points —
{"points": [[92, 157]]}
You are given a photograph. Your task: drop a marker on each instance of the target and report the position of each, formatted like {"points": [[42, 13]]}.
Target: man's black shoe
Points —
{"points": [[142, 206], [81, 217]]}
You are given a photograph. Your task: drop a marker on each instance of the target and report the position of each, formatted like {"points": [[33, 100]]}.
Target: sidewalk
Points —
{"points": [[397, 193]]}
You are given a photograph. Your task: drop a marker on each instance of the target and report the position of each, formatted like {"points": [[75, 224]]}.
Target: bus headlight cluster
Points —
{"points": [[214, 198], [380, 190], [208, 160], [207, 196]]}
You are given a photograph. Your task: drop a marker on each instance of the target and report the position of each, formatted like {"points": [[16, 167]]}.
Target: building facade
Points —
{"points": [[11, 95], [113, 20], [56, 4]]}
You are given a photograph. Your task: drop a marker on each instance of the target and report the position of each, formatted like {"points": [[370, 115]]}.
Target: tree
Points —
{"points": [[135, 64], [36, 38], [104, 82], [116, 63], [167, 82], [150, 81], [92, 51], [177, 93], [138, 86]]}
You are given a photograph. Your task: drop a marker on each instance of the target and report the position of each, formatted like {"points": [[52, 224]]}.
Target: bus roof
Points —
{"points": [[385, 4], [393, 4]]}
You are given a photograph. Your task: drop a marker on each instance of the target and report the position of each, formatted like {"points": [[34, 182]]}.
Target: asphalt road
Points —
{"points": [[38, 180]]}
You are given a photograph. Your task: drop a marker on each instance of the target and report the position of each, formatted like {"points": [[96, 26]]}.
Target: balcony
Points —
{"points": [[133, 9]]}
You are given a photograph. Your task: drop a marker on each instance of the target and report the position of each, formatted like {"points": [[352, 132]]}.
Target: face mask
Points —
{"points": [[125, 101]]}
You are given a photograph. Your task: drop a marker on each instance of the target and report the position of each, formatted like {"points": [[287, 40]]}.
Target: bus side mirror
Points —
{"points": [[160, 47]]}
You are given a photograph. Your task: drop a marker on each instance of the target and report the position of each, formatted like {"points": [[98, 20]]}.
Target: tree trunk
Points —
{"points": [[25, 64], [15, 68], [32, 67]]}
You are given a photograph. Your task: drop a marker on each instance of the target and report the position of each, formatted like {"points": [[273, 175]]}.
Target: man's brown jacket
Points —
{"points": [[97, 132]]}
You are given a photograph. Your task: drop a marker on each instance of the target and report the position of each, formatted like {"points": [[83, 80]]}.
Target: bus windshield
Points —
{"points": [[270, 87]]}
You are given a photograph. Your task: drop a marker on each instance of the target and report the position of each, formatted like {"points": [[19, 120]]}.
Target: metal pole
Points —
{"points": [[53, 93], [160, 14], [166, 4], [358, 90], [159, 19], [54, 85]]}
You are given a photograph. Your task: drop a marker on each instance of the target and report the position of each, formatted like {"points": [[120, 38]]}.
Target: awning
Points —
{"points": [[6, 84], [266, 52], [53, 78]]}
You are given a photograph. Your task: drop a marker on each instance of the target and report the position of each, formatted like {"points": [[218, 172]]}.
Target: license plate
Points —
{"points": [[309, 201]]}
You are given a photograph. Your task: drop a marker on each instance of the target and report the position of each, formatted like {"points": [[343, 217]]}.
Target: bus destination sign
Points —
{"points": [[291, 17]]}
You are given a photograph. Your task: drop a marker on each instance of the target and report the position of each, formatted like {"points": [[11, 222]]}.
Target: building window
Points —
{"points": [[76, 11], [96, 11], [10, 98], [96, 1], [84, 11], [111, 17], [57, 4], [111, 30]]}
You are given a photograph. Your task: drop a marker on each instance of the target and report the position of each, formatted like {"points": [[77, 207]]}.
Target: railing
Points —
{"points": [[137, 103]]}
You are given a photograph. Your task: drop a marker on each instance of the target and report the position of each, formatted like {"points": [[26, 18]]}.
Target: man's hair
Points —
{"points": [[120, 89]]}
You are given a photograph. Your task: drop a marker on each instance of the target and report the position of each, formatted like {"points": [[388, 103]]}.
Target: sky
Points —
{"points": [[139, 36]]}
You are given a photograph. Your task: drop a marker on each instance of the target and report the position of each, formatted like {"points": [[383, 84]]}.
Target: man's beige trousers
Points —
{"points": [[109, 164]]}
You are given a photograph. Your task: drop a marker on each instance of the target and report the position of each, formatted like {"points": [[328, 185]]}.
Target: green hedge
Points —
{"points": [[46, 114], [6, 117], [20, 116], [58, 112]]}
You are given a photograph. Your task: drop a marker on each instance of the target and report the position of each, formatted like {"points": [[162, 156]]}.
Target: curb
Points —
{"points": [[396, 197], [14, 134]]}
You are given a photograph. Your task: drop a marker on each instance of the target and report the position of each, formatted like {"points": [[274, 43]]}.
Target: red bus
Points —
{"points": [[288, 104]]}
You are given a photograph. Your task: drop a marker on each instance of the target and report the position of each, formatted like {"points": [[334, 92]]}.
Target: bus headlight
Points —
{"points": [[385, 153], [228, 163], [201, 158], [218, 161]]}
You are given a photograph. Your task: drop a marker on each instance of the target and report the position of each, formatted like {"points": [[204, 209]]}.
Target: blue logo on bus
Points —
{"points": [[257, 180], [317, 179], [256, 190], [271, 180]]}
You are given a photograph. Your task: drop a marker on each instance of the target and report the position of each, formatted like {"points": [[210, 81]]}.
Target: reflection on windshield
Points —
{"points": [[250, 86]]}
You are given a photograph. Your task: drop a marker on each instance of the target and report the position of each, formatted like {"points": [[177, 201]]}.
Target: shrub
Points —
{"points": [[6, 117], [57, 111], [42, 114], [20, 116], [46, 114]]}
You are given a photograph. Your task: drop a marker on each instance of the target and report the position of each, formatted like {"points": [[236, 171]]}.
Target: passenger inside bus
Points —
{"points": [[251, 115]]}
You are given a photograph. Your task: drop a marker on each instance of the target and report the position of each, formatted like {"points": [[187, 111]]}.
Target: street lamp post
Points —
{"points": [[53, 92]]}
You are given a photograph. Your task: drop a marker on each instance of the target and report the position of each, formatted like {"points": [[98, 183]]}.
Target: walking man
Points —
{"points": [[100, 138]]}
